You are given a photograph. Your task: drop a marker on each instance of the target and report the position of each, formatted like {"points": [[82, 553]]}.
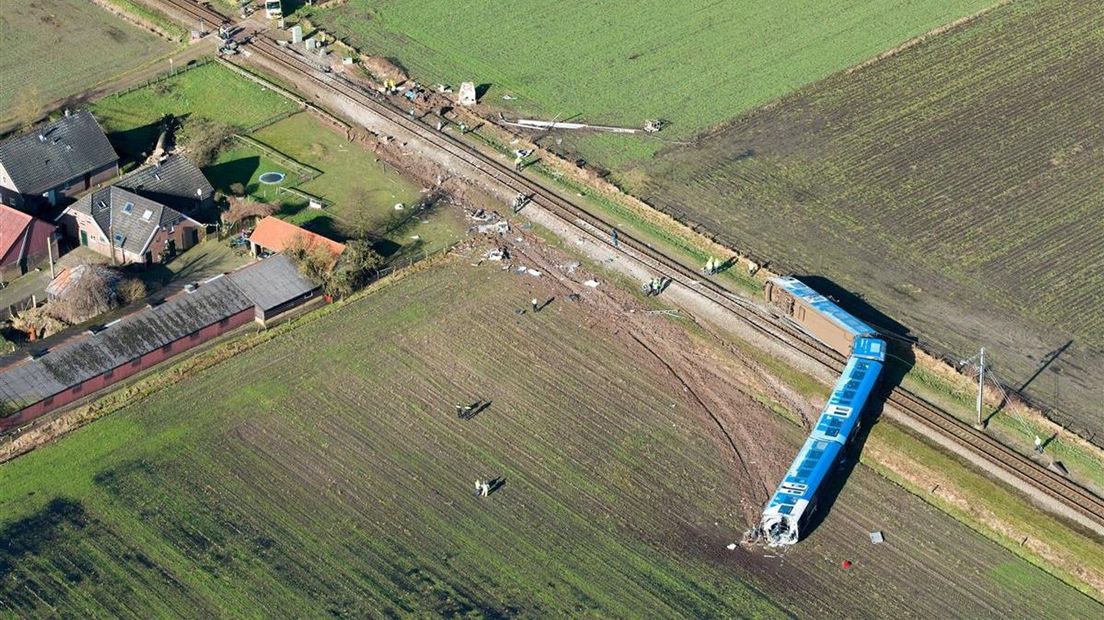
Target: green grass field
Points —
{"points": [[326, 473], [211, 91], [56, 48], [696, 63], [362, 190]]}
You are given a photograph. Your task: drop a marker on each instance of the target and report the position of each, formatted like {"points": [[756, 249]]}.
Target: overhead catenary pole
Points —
{"points": [[981, 386]]}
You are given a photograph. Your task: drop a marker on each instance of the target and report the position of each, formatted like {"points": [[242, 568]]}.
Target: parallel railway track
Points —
{"points": [[198, 11], [753, 315], [762, 321]]}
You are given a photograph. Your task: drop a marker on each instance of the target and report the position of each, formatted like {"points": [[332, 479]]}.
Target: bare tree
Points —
{"points": [[360, 220], [202, 139], [243, 209], [92, 294]]}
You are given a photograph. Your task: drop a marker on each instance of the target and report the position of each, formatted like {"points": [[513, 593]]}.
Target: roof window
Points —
{"points": [[119, 238], [128, 207], [146, 215]]}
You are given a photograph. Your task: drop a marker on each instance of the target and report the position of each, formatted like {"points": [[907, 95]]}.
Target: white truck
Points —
{"points": [[273, 9]]}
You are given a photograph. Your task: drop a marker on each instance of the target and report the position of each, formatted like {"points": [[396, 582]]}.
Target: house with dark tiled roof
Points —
{"points": [[25, 243], [129, 228], [174, 182], [60, 159]]}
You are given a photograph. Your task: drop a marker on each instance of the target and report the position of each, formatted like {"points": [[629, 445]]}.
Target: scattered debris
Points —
{"points": [[500, 227], [533, 272], [846, 564], [653, 125], [731, 546], [415, 237], [572, 297], [591, 283], [655, 286], [497, 254], [399, 206], [529, 123], [467, 94], [571, 266], [508, 97], [877, 537], [521, 199]]}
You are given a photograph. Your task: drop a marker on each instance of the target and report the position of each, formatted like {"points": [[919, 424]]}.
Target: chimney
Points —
{"points": [[42, 137], [67, 112]]}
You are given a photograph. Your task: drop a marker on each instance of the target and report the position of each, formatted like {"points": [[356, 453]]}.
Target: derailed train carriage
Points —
{"points": [[795, 500]]}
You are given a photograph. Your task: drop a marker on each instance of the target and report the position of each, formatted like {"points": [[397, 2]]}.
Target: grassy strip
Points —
{"points": [[1012, 425], [151, 16], [988, 507]]}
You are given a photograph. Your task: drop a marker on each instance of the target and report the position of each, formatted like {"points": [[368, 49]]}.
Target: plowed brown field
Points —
{"points": [[958, 187]]}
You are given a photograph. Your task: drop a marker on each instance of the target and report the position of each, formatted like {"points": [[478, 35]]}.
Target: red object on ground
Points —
{"points": [[846, 564]]}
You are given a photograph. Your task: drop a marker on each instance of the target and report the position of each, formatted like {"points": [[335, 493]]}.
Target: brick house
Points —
{"points": [[129, 228], [61, 159], [25, 243]]}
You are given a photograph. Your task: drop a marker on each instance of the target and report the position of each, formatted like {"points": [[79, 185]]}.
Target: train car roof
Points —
{"points": [[825, 306], [847, 400], [869, 348], [806, 473]]}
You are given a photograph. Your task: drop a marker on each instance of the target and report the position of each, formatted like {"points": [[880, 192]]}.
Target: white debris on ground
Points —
{"points": [[591, 283], [731, 546], [399, 206], [876, 537], [501, 227], [533, 272]]}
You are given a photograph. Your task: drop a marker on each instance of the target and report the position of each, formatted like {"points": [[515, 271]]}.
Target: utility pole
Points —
{"points": [[50, 253], [981, 387]]}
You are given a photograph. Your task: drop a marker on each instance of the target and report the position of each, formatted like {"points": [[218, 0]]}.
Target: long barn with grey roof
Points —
{"points": [[63, 158], [34, 385]]}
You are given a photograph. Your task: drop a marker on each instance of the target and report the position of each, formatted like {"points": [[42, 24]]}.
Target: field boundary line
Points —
{"points": [[919, 39], [41, 431]]}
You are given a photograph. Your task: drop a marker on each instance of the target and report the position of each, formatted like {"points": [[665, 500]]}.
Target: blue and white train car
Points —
{"points": [[817, 314], [795, 500]]}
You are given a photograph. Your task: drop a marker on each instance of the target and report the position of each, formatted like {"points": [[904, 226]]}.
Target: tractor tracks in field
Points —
{"points": [[1049, 489]]}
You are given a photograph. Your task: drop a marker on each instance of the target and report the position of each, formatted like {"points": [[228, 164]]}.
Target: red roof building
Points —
{"points": [[25, 242], [275, 235]]}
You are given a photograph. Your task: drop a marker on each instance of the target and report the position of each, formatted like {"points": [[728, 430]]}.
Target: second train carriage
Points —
{"points": [[795, 500], [817, 314]]}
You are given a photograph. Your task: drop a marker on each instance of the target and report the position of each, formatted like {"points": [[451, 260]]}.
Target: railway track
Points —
{"points": [[753, 315], [197, 11]]}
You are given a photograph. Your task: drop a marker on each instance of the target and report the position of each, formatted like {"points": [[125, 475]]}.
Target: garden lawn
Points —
{"points": [[360, 191], [211, 92]]}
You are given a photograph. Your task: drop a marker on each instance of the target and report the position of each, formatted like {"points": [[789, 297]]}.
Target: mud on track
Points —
{"points": [[958, 187], [326, 471]]}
